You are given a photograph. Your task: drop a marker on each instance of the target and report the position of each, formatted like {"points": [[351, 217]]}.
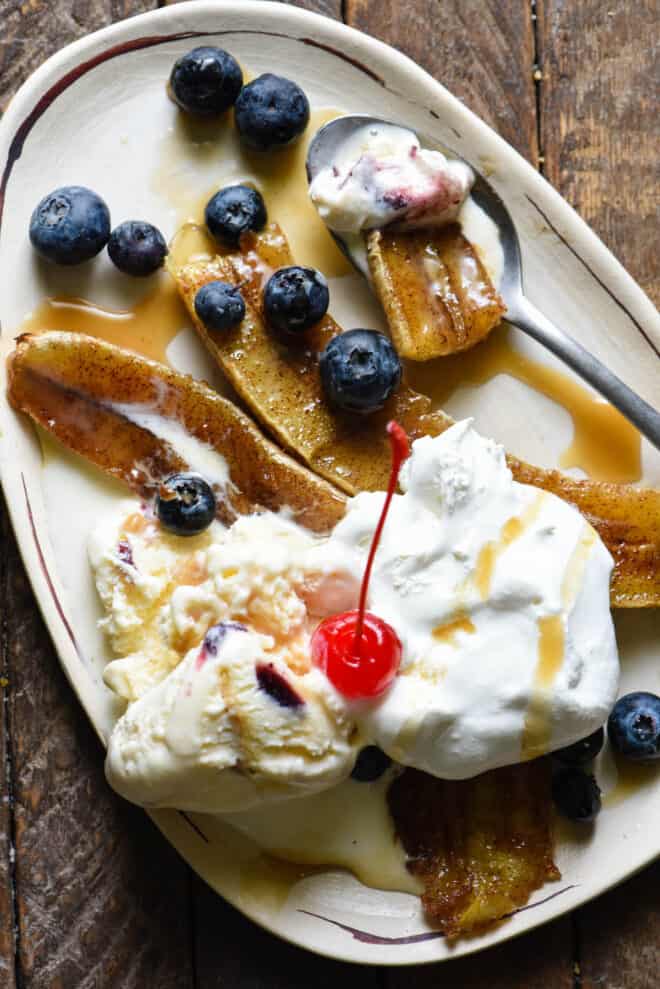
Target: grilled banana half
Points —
{"points": [[140, 421], [435, 291], [281, 387], [480, 846]]}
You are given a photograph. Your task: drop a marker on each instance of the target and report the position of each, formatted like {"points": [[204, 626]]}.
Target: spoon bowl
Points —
{"points": [[520, 312]]}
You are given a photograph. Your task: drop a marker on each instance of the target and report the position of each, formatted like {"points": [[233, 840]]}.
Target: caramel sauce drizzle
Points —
{"points": [[491, 552], [551, 644], [148, 328], [604, 444], [280, 177], [448, 631]]}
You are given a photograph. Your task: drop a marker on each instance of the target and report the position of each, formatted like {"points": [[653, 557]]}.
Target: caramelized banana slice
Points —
{"points": [[480, 846], [280, 384], [435, 291], [141, 421]]}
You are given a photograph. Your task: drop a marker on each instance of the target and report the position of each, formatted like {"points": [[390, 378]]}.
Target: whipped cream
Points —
{"points": [[498, 591], [381, 176]]}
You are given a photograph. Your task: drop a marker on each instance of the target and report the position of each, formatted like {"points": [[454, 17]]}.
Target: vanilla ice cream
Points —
{"points": [[499, 593], [382, 176], [231, 727], [162, 592]]}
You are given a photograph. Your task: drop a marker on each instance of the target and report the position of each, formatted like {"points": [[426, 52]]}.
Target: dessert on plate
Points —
{"points": [[409, 205], [283, 618]]}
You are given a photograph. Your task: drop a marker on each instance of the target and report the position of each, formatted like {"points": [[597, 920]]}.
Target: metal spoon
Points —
{"points": [[520, 311]]}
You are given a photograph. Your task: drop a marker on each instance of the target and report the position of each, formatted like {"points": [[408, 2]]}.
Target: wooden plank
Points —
{"points": [[233, 953], [34, 29], [619, 935], [7, 947], [599, 121], [229, 949], [599, 136], [103, 900], [541, 959], [483, 53], [481, 50], [329, 8]]}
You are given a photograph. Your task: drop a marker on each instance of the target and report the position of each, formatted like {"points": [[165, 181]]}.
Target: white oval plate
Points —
{"points": [[95, 114]]}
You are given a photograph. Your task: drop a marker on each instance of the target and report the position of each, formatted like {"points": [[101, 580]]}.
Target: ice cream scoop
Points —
{"points": [[231, 727]]}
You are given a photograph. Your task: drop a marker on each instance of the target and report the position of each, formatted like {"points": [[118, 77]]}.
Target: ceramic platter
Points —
{"points": [[96, 114]]}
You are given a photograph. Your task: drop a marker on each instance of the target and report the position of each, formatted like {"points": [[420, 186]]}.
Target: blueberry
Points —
{"points": [[219, 305], [70, 225], [583, 751], [233, 211], [206, 81], [359, 370], [370, 764], [216, 634], [634, 726], [185, 504], [137, 248], [576, 794], [271, 112], [277, 686], [295, 298]]}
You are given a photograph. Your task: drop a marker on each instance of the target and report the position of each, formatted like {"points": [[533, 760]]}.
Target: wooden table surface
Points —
{"points": [[91, 895]]}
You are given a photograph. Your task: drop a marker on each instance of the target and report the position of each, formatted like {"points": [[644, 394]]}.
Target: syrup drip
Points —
{"points": [[199, 157], [604, 444], [537, 730], [147, 328]]}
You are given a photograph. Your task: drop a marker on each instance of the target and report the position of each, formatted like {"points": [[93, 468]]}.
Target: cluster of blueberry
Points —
{"points": [[633, 729], [72, 224], [359, 369]]}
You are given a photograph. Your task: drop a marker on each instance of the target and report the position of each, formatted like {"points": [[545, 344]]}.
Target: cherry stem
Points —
{"points": [[400, 451]]}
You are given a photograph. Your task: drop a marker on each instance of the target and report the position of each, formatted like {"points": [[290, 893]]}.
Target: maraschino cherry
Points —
{"points": [[358, 651]]}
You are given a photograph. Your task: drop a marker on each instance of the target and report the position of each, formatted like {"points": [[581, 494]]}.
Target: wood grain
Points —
{"points": [[600, 139], [484, 54], [481, 50], [7, 967], [329, 8], [233, 953], [34, 29], [620, 936], [103, 900], [599, 121], [541, 959]]}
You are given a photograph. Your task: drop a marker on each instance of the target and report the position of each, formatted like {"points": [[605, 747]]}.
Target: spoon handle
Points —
{"points": [[642, 415]]}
